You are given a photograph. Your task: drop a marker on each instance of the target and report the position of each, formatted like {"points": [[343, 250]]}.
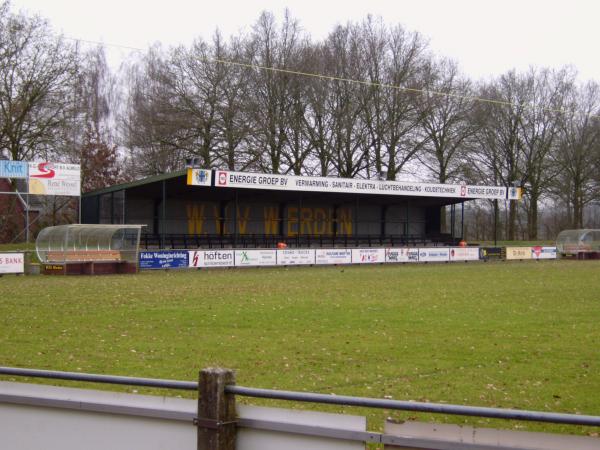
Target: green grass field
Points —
{"points": [[517, 335]]}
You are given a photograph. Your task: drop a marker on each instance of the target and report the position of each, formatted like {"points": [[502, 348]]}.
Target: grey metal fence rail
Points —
{"points": [[97, 378], [342, 400]]}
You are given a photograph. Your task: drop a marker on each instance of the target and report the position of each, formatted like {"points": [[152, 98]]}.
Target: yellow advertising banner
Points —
{"points": [[518, 252]]}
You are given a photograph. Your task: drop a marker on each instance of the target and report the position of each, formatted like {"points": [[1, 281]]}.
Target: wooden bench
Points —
{"points": [[84, 256], [87, 262]]}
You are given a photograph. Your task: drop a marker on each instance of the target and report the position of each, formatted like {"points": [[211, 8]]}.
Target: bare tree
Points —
{"points": [[299, 145], [151, 126], [446, 122], [271, 99], [195, 82], [540, 129], [579, 153], [393, 57], [234, 123], [96, 92], [318, 117], [499, 157], [446, 126], [37, 72], [343, 61], [91, 140]]}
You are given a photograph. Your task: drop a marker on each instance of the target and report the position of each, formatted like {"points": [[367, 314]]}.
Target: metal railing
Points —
{"points": [[436, 408]]}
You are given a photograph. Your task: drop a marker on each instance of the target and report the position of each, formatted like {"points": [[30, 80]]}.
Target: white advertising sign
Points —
{"points": [[401, 255], [250, 258], [295, 257], [368, 255], [211, 258], [434, 254], [464, 254], [264, 439], [80, 419], [543, 252], [333, 256], [199, 177], [12, 263], [228, 179], [46, 178]]}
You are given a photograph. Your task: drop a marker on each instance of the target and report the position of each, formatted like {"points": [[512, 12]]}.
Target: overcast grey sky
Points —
{"points": [[487, 38]]}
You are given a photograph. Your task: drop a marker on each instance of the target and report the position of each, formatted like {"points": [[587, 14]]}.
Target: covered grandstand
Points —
{"points": [[199, 208]]}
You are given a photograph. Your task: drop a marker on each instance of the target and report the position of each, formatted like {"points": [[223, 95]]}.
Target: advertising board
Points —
{"points": [[265, 439], [164, 259], [434, 254], [295, 257], [543, 252], [518, 252], [246, 180], [13, 169], [464, 254], [333, 256], [251, 258], [57, 269], [46, 178], [211, 258], [401, 255], [12, 263], [80, 419], [491, 252], [368, 255]]}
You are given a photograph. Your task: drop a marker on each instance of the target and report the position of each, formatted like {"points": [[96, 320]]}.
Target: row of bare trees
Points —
{"points": [[369, 100]]}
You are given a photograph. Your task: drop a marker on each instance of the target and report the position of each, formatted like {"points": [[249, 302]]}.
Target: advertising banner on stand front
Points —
{"points": [[46, 178], [434, 254], [543, 252], [401, 255], [166, 259], [255, 258], [464, 254], [333, 256], [211, 258], [295, 257], [12, 263], [518, 252], [368, 255], [246, 180]]}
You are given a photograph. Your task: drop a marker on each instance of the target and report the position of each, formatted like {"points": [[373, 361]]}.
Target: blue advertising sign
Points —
{"points": [[13, 169], [163, 259]]}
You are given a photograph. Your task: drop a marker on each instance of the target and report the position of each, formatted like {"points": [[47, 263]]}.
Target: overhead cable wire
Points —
{"points": [[359, 82], [385, 85]]}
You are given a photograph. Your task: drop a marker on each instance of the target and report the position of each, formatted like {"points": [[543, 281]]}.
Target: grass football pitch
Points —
{"points": [[520, 335]]}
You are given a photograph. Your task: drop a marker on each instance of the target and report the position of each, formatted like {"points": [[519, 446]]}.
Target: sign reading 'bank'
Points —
{"points": [[229, 179]]}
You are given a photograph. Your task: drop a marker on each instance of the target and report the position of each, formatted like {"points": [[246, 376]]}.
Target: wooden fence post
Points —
{"points": [[216, 410]]}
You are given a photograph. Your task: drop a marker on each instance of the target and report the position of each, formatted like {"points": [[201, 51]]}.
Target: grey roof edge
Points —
{"points": [[101, 226], [136, 183]]}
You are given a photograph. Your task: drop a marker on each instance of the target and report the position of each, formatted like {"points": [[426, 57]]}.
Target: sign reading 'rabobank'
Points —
{"points": [[13, 169]]}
